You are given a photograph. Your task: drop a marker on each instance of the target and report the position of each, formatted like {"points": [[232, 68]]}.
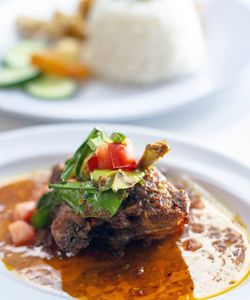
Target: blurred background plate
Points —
{"points": [[226, 25]]}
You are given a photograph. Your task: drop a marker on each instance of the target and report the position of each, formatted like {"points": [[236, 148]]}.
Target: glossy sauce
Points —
{"points": [[158, 272]]}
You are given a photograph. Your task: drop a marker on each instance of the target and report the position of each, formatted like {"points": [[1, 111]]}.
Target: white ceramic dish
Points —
{"points": [[40, 147], [226, 25]]}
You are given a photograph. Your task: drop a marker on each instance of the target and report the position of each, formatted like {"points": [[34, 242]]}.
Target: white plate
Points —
{"points": [[226, 24], [38, 148]]}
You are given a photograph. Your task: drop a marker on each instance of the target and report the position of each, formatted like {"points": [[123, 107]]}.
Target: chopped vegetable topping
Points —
{"points": [[87, 200], [118, 137], [152, 153], [116, 180], [100, 172], [24, 210], [21, 232], [88, 147], [42, 216], [58, 64]]}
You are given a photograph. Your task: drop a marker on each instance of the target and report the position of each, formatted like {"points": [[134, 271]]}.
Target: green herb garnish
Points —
{"points": [[116, 179], [74, 165], [118, 137], [42, 216], [87, 200], [98, 194]]}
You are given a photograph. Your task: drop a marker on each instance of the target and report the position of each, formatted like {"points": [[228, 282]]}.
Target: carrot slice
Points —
{"points": [[56, 63]]}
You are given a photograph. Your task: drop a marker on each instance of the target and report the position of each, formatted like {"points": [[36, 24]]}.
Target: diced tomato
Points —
{"points": [[21, 232], [122, 156], [113, 156], [24, 210], [103, 157], [93, 163]]}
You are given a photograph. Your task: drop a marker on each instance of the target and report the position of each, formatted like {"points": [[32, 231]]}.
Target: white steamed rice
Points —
{"points": [[144, 41]]}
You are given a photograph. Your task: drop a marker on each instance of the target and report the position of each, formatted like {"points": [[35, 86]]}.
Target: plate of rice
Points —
{"points": [[134, 58]]}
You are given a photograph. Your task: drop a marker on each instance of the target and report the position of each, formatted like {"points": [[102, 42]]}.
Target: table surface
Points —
{"points": [[221, 122]]}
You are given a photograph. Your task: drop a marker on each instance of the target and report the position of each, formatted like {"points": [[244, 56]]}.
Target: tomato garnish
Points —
{"points": [[122, 156], [113, 156], [93, 163], [21, 232], [24, 210]]}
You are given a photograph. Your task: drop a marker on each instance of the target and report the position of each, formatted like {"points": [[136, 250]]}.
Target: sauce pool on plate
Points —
{"points": [[210, 257]]}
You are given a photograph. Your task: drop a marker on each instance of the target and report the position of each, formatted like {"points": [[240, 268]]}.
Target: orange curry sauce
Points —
{"points": [[158, 272]]}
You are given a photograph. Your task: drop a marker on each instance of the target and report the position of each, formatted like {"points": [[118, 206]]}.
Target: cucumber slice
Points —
{"points": [[50, 87], [20, 55], [11, 77]]}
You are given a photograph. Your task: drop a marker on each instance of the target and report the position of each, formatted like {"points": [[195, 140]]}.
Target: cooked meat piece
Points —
{"points": [[56, 173], [70, 231], [150, 212]]}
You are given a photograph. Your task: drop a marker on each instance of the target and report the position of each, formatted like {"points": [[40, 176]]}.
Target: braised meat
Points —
{"points": [[150, 212]]}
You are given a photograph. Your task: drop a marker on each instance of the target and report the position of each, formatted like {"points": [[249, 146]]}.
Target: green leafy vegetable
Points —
{"points": [[126, 180], [98, 194], [116, 179], [87, 147], [103, 178], [42, 216], [87, 200], [118, 137], [75, 185], [103, 204], [75, 165]]}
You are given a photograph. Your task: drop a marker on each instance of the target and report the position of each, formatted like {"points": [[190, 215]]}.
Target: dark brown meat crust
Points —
{"points": [[150, 212], [70, 231]]}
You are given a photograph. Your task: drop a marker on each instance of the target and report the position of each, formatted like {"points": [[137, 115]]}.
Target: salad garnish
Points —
{"points": [[95, 180]]}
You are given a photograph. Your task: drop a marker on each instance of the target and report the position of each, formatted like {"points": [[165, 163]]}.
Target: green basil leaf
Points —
{"points": [[95, 142], [75, 163], [91, 202], [74, 198], [75, 185], [101, 204], [42, 216], [118, 137]]}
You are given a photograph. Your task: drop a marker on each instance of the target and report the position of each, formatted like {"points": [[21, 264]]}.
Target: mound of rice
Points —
{"points": [[144, 41]]}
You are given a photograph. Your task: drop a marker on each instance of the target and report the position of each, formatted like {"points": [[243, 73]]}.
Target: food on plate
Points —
{"points": [[59, 26], [130, 42], [144, 42], [105, 224], [10, 77], [51, 87], [57, 64], [20, 55], [42, 73], [151, 211]]}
